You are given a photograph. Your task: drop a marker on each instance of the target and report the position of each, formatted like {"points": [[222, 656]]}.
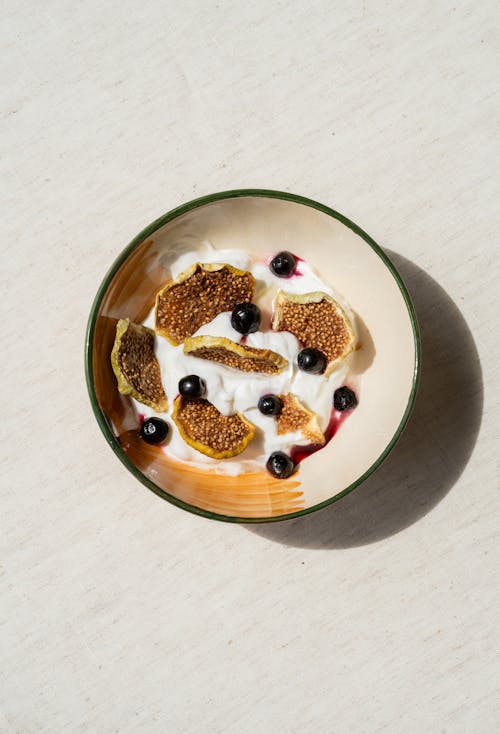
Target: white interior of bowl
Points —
{"points": [[383, 369]]}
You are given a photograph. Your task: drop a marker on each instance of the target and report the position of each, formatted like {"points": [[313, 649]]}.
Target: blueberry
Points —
{"points": [[312, 361], [344, 399], [154, 431], [245, 318], [280, 465], [192, 386], [283, 264], [270, 405]]}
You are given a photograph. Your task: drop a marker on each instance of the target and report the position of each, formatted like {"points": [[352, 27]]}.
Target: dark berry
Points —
{"points": [[283, 264], [344, 399], [312, 361], [192, 386], [154, 430], [270, 405], [280, 465], [245, 318]]}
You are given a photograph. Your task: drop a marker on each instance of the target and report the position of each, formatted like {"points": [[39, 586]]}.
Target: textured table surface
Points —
{"points": [[121, 613]]}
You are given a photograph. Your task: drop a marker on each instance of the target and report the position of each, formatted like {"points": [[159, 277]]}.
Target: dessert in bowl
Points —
{"points": [[252, 356]]}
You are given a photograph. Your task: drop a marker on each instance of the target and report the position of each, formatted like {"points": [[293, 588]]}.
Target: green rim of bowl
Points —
{"points": [[147, 232]]}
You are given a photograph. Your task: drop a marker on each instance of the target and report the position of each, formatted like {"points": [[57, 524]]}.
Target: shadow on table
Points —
{"points": [[433, 450]]}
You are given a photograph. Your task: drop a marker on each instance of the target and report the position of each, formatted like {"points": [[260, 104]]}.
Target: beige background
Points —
{"points": [[120, 613]]}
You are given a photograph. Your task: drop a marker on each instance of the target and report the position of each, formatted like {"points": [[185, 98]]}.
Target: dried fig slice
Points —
{"points": [[197, 296], [318, 321], [204, 428], [135, 365], [295, 417], [238, 356]]}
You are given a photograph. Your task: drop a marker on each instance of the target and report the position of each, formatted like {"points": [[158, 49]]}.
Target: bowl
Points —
{"points": [[386, 367]]}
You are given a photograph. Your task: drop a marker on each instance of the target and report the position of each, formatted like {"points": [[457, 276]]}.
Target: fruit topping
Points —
{"points": [[197, 296], [192, 386], [318, 322], [154, 431], [283, 264], [312, 361], [344, 399], [270, 405], [135, 365], [280, 465], [296, 417], [237, 356], [204, 428], [245, 318]]}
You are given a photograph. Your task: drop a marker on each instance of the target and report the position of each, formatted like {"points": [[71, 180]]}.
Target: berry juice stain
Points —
{"points": [[296, 272], [299, 453]]}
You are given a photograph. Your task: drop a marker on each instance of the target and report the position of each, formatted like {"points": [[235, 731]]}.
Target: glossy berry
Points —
{"points": [[192, 386], [344, 399], [280, 465], [312, 361], [270, 405], [283, 264], [245, 318], [154, 431]]}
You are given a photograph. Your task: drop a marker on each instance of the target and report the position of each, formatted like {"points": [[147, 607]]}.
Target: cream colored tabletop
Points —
{"points": [[122, 613]]}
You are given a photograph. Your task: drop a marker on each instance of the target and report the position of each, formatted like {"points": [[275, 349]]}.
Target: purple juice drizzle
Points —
{"points": [[299, 453]]}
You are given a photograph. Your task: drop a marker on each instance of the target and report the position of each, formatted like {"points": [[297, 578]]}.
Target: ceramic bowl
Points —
{"points": [[385, 368]]}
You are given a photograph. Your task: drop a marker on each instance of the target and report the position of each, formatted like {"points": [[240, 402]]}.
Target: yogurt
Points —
{"points": [[233, 391]]}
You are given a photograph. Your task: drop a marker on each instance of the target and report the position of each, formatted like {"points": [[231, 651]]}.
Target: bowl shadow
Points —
{"points": [[434, 448]]}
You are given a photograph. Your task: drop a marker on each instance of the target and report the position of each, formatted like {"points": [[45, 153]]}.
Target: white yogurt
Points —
{"points": [[233, 391]]}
